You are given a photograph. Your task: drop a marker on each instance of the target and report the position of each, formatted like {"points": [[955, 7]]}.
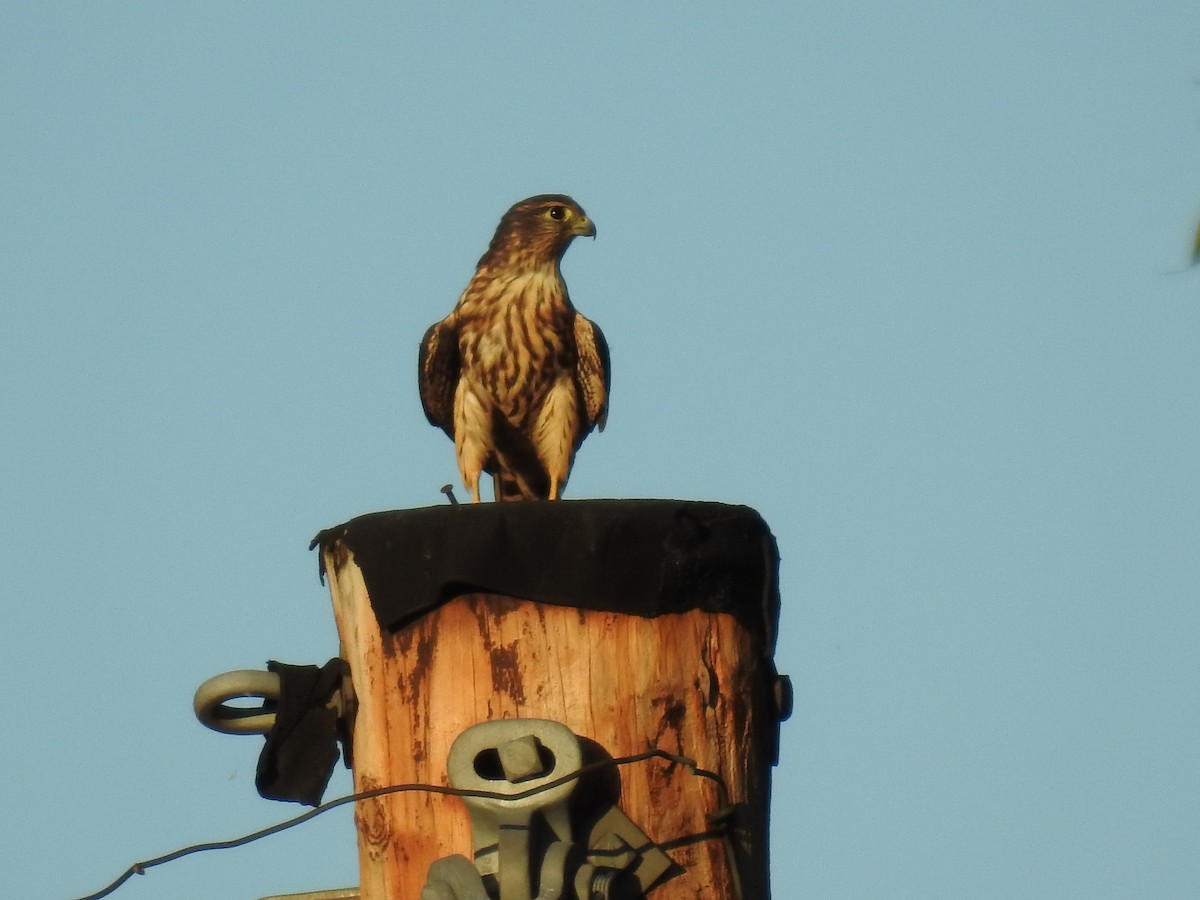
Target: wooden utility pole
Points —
{"points": [[636, 624]]}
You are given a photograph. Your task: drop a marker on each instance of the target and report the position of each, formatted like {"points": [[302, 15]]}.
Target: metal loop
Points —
{"points": [[212, 696]]}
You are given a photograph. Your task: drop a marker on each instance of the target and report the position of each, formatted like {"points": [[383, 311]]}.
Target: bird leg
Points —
{"points": [[472, 436], [553, 432]]}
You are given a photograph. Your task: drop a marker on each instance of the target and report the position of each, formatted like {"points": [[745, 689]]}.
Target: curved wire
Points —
{"points": [[139, 868]]}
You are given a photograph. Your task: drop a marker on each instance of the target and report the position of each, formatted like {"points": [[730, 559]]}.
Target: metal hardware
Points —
{"points": [[525, 830], [783, 697], [620, 845], [211, 702], [453, 878], [212, 696], [501, 828]]}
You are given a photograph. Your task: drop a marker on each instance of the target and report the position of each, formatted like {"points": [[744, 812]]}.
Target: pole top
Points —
{"points": [[637, 557]]}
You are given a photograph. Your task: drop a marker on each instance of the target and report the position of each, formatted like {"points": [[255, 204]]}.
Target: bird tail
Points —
{"points": [[517, 473], [511, 485]]}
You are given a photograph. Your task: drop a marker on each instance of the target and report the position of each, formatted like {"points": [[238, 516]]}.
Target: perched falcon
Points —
{"points": [[514, 375]]}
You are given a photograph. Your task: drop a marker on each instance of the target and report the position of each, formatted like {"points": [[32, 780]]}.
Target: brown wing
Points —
{"points": [[438, 372], [592, 373]]}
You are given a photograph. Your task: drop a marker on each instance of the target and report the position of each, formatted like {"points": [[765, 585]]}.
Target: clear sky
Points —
{"points": [[905, 280]]}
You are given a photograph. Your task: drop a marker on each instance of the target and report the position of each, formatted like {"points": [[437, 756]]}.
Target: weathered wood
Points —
{"points": [[691, 683]]}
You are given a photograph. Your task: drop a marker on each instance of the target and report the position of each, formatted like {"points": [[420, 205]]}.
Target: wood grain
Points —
{"points": [[691, 683]]}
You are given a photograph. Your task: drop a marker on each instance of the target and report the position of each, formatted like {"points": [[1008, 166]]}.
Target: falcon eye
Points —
{"points": [[557, 212]]}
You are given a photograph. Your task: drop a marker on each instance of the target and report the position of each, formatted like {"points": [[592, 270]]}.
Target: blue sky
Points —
{"points": [[905, 281]]}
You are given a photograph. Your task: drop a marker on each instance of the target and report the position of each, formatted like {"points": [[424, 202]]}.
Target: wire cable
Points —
{"points": [[139, 868]]}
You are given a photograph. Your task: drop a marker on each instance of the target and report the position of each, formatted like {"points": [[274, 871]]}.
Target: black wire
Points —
{"points": [[139, 868]]}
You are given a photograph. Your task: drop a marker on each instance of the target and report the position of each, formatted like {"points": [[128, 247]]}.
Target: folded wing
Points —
{"points": [[593, 374], [438, 371]]}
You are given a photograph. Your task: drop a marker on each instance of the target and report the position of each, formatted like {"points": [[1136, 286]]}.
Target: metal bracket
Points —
{"points": [[525, 830], [615, 842], [212, 708], [212, 698]]}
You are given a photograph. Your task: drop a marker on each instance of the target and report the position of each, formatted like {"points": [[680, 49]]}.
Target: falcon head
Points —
{"points": [[537, 231]]}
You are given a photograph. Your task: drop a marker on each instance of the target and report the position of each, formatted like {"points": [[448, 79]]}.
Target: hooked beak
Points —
{"points": [[585, 227]]}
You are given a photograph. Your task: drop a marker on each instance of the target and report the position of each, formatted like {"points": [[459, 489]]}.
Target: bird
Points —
{"points": [[515, 375]]}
